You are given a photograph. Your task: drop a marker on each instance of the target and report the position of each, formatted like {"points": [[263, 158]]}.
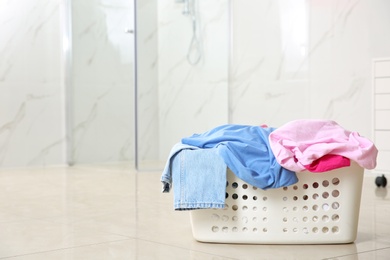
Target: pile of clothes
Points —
{"points": [[265, 157]]}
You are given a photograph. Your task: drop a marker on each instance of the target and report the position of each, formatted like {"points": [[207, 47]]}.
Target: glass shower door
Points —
{"points": [[101, 116], [182, 78]]}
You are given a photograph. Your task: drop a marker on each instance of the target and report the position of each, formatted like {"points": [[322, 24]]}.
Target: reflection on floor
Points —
{"points": [[113, 212]]}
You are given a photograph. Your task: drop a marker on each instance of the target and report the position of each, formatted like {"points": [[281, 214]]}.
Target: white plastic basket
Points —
{"points": [[319, 209]]}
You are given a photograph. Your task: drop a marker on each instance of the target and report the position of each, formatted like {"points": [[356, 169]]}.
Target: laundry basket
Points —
{"points": [[319, 209]]}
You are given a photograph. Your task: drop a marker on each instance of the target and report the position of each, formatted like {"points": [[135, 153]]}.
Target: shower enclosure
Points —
{"points": [[100, 85], [77, 60], [182, 73], [144, 74]]}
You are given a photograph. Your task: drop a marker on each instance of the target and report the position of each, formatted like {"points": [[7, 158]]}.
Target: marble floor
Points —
{"points": [[113, 212]]}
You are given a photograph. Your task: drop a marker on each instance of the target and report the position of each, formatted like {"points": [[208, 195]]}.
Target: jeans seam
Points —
{"points": [[182, 175]]}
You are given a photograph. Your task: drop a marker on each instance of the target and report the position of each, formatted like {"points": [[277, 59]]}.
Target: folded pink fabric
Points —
{"points": [[328, 162], [299, 143]]}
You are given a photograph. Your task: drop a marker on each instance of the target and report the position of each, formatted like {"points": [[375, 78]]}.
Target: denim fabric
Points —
{"points": [[246, 151], [199, 179], [166, 176]]}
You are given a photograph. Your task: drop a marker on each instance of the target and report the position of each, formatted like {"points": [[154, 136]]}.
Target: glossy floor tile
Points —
{"points": [[112, 212]]}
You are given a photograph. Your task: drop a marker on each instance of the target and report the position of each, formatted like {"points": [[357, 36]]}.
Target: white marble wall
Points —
{"points": [[192, 98], [309, 59], [306, 59], [290, 60], [35, 86], [31, 83], [102, 109], [147, 91]]}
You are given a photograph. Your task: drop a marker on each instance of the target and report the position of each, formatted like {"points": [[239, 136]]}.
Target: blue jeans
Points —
{"points": [[198, 177]]}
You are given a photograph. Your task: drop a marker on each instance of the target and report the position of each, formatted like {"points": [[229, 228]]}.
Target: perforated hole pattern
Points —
{"points": [[312, 209]]}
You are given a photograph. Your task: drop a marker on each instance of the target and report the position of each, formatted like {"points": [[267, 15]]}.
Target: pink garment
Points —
{"points": [[299, 143], [328, 162]]}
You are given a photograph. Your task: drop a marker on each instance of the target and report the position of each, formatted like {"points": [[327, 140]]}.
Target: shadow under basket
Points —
{"points": [[321, 208]]}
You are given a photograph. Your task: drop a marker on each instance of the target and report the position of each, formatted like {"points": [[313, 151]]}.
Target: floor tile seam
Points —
{"points": [[103, 169], [14, 221], [80, 227], [88, 229], [357, 253], [185, 248], [135, 237], [23, 219], [47, 219], [67, 248], [32, 168]]}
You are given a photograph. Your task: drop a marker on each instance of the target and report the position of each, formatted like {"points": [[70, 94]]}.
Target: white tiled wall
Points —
{"points": [[192, 98], [33, 45], [147, 49], [310, 59], [102, 108], [306, 59], [31, 83], [381, 112]]}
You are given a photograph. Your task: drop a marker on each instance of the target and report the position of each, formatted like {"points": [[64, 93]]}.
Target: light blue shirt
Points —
{"points": [[246, 151], [197, 166]]}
